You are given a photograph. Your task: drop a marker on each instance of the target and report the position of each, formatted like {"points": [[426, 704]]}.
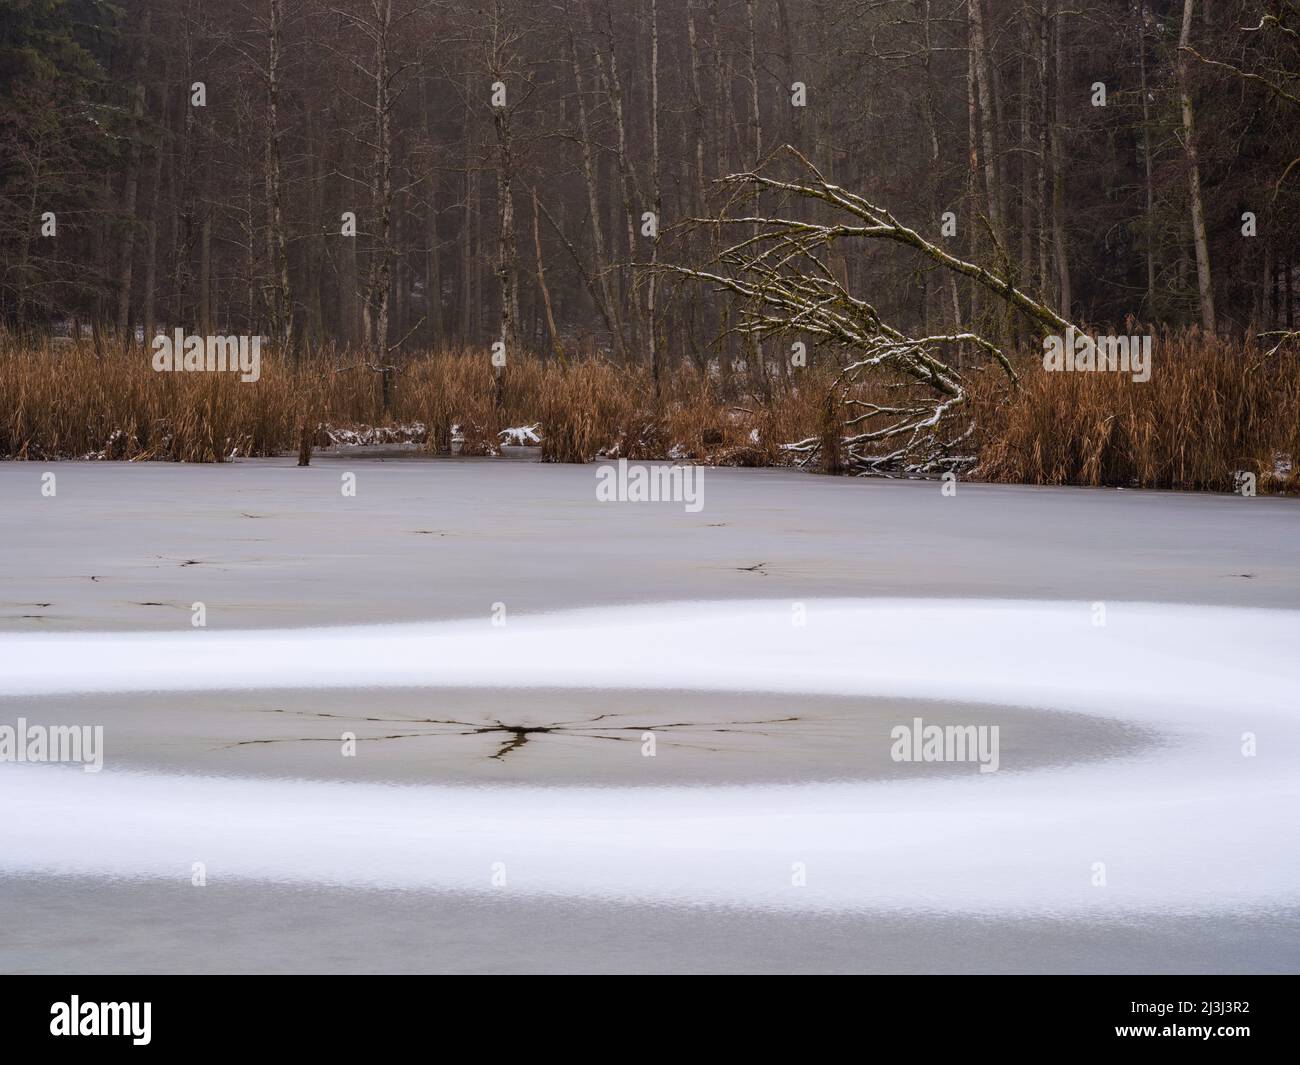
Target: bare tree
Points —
{"points": [[778, 273], [378, 24], [1204, 284], [500, 62], [130, 187]]}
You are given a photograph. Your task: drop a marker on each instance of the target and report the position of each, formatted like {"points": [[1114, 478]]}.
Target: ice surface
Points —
{"points": [[1191, 825]]}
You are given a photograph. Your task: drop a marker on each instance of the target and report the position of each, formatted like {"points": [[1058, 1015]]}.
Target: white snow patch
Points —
{"points": [[521, 436]]}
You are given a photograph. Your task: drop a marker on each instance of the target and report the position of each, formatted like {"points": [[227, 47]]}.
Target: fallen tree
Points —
{"points": [[780, 276]]}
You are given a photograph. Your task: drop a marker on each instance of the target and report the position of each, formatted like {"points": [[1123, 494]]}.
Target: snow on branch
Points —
{"points": [[778, 274]]}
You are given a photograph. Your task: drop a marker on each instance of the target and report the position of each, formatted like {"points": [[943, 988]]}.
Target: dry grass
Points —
{"points": [[583, 409], [66, 402], [1210, 409], [70, 402]]}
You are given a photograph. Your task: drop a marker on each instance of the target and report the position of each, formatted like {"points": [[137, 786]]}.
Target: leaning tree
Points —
{"points": [[916, 418]]}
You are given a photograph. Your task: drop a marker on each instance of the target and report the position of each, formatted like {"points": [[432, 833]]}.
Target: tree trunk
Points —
{"points": [[655, 369], [1147, 163], [972, 177], [1066, 296], [979, 67], [399, 318], [376, 311], [150, 317], [699, 198], [1026, 150], [507, 245], [467, 263], [610, 307], [349, 292], [205, 277], [754, 349], [130, 187], [721, 104], [1045, 285], [277, 242], [607, 65], [787, 35], [432, 259], [554, 333], [315, 242], [1203, 283]]}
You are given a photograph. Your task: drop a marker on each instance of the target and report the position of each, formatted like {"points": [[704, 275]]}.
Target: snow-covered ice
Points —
{"points": [[1122, 743], [1191, 825]]}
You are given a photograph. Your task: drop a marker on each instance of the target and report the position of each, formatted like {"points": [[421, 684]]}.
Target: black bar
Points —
{"points": [[979, 1015]]}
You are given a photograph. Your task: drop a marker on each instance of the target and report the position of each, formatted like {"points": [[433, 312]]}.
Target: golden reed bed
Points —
{"points": [[1212, 409]]}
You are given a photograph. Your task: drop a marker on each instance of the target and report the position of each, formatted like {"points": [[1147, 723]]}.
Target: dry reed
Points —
{"points": [[1212, 408]]}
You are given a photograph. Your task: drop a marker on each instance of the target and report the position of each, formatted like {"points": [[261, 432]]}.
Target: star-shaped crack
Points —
{"points": [[516, 736]]}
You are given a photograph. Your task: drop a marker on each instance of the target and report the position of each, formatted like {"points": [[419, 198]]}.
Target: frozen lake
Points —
{"points": [[500, 812]]}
